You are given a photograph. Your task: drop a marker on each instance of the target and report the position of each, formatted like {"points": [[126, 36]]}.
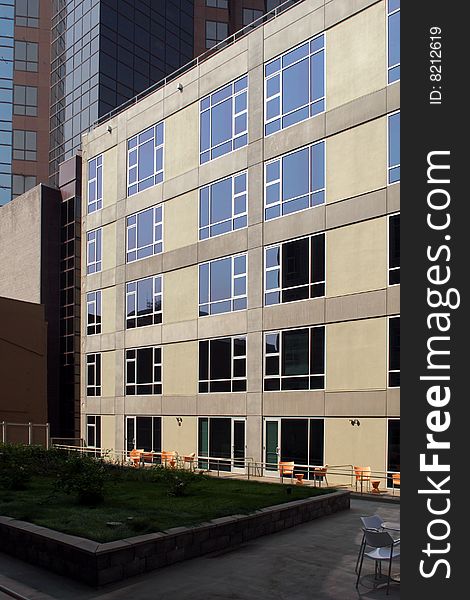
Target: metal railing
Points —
{"points": [[25, 433], [272, 14]]}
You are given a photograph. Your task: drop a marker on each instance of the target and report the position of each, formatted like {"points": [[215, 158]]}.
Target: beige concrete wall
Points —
{"points": [[108, 246], [356, 355], [180, 438], [180, 369], [356, 56], [362, 446], [356, 258], [180, 295], [110, 176], [108, 374], [181, 221], [356, 160], [182, 141], [108, 310], [108, 432]]}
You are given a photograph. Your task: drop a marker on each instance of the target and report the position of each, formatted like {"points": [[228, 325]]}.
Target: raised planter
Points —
{"points": [[98, 564]]}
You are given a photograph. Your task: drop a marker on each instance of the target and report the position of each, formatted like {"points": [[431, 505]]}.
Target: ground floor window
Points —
{"points": [[93, 431], [393, 448], [298, 440], [222, 440], [144, 433]]}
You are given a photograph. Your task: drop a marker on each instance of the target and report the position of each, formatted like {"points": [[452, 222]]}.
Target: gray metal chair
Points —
{"points": [[374, 523], [384, 548]]}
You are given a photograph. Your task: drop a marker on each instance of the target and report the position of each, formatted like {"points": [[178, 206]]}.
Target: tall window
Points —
{"points": [[93, 374], [250, 15], [93, 312], [22, 183], [144, 302], [144, 371], [27, 13], [393, 448], [93, 254], [222, 285], [295, 270], [295, 85], [223, 206], [295, 181], [394, 352], [144, 233], [145, 159], [393, 31], [95, 183], [222, 365], [216, 31], [25, 100], [145, 433], [394, 147], [26, 56], [224, 120], [295, 359], [24, 145], [93, 431], [217, 3], [394, 249]]}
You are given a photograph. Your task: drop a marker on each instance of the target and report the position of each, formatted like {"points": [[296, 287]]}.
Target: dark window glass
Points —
{"points": [[394, 249], [144, 371], [394, 351], [295, 352], [222, 365], [316, 442], [393, 450]]}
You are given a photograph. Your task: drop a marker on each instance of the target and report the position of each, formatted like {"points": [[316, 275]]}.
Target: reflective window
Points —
{"points": [[93, 431], [24, 145], [217, 3], [250, 15], [93, 374], [93, 254], [93, 312], [393, 31], [224, 120], [216, 32], [393, 449], [295, 85], [25, 100], [145, 233], [394, 148], [295, 359], [394, 352], [394, 249], [295, 181], [144, 433], [222, 365], [145, 159], [144, 371], [295, 270], [95, 183], [22, 183], [223, 206], [144, 302], [27, 13], [26, 56], [222, 285]]}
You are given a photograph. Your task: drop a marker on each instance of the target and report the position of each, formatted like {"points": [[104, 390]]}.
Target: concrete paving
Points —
{"points": [[314, 561]]}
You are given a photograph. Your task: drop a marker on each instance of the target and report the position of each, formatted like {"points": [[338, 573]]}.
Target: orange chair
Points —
{"points": [[286, 469], [320, 472], [169, 459], [362, 475], [135, 457], [395, 481], [189, 459]]}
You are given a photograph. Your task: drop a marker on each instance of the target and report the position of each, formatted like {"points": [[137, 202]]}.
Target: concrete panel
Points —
{"points": [[254, 403], [143, 336], [294, 314], [254, 437], [181, 257], [224, 67], [254, 361], [108, 373], [360, 110], [256, 91], [356, 355], [255, 278], [356, 258], [393, 198], [233, 323], [255, 194], [356, 404], [362, 446], [255, 319], [110, 176], [223, 166], [181, 141], [144, 268], [175, 99], [393, 300], [393, 402], [145, 113], [360, 208], [222, 404], [356, 56], [223, 245], [179, 405], [108, 432], [142, 405], [108, 307], [356, 306], [180, 185], [181, 221], [294, 404], [180, 369], [145, 199], [180, 295], [356, 161], [180, 438], [108, 246], [393, 96], [296, 225], [295, 136], [179, 332]]}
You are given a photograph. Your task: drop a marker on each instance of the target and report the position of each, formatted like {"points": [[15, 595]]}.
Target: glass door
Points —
{"points": [[130, 433], [272, 446], [238, 446]]}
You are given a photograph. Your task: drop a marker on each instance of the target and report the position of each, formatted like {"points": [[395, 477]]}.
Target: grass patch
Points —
{"points": [[142, 505]]}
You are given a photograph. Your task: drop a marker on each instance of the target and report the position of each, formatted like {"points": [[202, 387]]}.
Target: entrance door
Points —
{"points": [[220, 443], [130, 433], [238, 447], [272, 446]]}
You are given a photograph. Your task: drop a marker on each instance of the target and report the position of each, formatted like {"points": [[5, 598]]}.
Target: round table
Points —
{"points": [[391, 525]]}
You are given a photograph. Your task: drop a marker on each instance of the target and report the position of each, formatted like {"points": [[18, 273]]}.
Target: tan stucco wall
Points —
{"points": [[356, 56], [108, 246], [182, 141], [110, 176], [181, 221], [108, 310], [180, 295], [108, 374], [356, 160], [356, 355], [108, 432], [180, 369], [356, 258], [182, 439]]}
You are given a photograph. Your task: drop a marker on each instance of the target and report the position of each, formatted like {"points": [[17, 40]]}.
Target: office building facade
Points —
{"points": [[240, 258]]}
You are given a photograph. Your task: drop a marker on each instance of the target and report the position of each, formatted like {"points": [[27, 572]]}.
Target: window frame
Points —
{"points": [[27, 153], [233, 359], [25, 105], [93, 299], [389, 370], [156, 315], [30, 20], [157, 385], [97, 180], [216, 41], [97, 263], [93, 422], [389, 268], [233, 296], [157, 241], [158, 174], [93, 388], [391, 68], [392, 167], [24, 184], [22, 65]]}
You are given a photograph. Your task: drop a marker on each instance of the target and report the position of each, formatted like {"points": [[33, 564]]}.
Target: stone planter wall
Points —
{"points": [[98, 564]]}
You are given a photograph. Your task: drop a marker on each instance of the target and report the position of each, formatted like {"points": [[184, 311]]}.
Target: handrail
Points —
{"points": [[272, 14]]}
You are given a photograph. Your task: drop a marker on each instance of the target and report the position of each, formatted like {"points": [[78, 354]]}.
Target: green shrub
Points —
{"points": [[83, 476], [176, 481], [13, 474]]}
